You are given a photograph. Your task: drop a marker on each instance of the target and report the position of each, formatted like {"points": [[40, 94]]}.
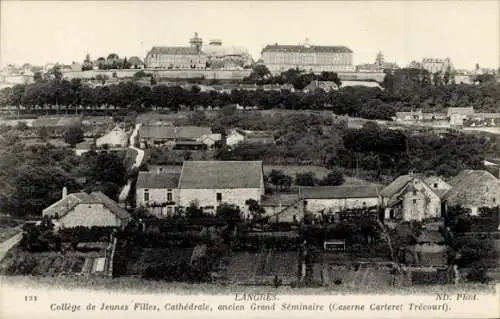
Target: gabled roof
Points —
{"points": [[473, 181], [275, 200], [303, 48], [65, 205], [157, 180], [221, 174], [402, 182], [174, 51], [157, 131], [192, 132], [396, 185], [170, 131], [331, 192]]}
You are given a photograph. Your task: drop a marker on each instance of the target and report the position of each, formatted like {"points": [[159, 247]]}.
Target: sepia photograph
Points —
{"points": [[250, 158]]}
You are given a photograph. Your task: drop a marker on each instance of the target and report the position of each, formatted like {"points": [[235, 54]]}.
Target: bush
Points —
{"points": [[333, 178]]}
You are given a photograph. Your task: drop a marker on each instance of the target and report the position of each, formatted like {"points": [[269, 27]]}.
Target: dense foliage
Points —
{"points": [[404, 90], [32, 177]]}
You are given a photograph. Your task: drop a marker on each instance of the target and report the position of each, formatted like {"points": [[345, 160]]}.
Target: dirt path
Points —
{"points": [[138, 161], [8, 244]]}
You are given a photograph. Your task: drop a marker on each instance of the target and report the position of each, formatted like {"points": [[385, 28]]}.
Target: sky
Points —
{"points": [[38, 32]]}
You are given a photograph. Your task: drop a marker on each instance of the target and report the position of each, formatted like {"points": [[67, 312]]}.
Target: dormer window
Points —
{"points": [[435, 185]]}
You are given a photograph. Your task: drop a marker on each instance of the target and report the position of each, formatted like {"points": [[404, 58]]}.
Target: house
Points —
{"points": [[155, 135], [326, 86], [210, 139], [237, 136], [211, 183], [473, 189], [457, 115], [410, 197], [87, 210], [158, 192], [283, 208], [409, 116], [333, 199], [117, 137]]}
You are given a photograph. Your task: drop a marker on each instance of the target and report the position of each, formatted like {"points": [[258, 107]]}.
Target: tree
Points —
{"points": [[255, 209], [73, 135], [305, 179], [333, 178], [230, 213], [37, 76], [447, 74]]}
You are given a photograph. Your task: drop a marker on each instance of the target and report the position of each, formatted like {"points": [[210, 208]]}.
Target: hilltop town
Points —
{"points": [[198, 164]]}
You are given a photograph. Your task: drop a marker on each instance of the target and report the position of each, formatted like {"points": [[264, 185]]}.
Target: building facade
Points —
{"points": [[411, 197], [86, 210], [280, 58], [158, 192], [433, 65], [333, 199], [212, 183], [196, 56]]}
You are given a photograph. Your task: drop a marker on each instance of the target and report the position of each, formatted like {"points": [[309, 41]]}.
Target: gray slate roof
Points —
{"points": [[174, 51], [331, 192], [302, 48], [221, 174], [474, 187], [170, 131], [65, 205], [157, 180]]}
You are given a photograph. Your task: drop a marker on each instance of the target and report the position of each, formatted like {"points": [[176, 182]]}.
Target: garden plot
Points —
{"points": [[262, 267], [140, 259]]}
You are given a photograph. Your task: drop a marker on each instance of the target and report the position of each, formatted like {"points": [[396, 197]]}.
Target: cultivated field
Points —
{"points": [[141, 258], [51, 264], [260, 268]]}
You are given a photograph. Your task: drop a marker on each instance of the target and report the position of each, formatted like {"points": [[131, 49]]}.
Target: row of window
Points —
{"points": [[218, 196]]}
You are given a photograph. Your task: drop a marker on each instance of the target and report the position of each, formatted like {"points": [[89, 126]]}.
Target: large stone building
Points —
{"points": [[196, 56], [211, 183], [436, 65], [208, 184], [311, 58]]}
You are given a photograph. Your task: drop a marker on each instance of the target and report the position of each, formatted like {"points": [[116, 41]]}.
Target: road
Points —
{"points": [[8, 244], [138, 161]]}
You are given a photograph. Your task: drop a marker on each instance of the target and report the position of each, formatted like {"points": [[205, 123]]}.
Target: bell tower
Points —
{"points": [[196, 42]]}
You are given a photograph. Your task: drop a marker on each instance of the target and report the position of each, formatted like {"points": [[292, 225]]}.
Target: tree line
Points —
{"points": [[405, 90]]}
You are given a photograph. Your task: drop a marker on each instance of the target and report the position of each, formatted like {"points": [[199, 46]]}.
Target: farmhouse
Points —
{"points": [[332, 199], [211, 183], [155, 135], [158, 192], [87, 210], [473, 189], [237, 136], [412, 197], [457, 115]]}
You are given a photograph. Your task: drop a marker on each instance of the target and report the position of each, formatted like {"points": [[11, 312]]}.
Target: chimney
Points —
{"points": [[64, 192]]}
